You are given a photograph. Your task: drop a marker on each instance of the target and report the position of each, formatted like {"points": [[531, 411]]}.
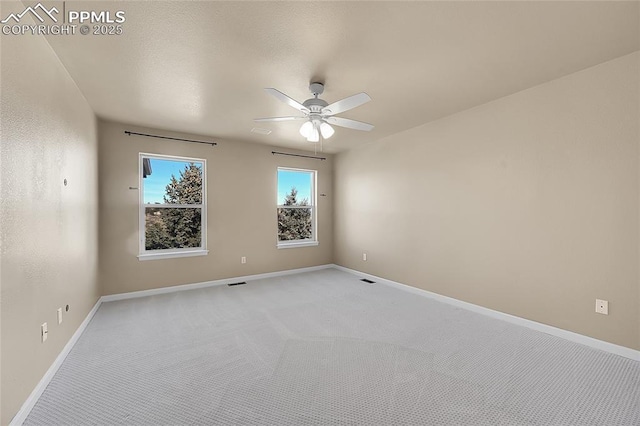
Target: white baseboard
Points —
{"points": [[548, 329], [183, 287], [21, 415]]}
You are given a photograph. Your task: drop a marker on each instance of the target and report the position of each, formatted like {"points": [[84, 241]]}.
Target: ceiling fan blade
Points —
{"points": [[346, 104], [350, 124], [279, 118], [287, 100]]}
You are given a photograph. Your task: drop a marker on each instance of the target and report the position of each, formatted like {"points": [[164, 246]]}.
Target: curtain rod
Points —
{"points": [[166, 137], [298, 155]]}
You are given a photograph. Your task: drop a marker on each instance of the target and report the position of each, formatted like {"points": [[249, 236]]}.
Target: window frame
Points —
{"points": [[143, 253], [313, 241]]}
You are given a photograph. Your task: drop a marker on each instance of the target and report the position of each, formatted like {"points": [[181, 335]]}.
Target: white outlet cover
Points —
{"points": [[59, 315], [44, 332], [602, 306]]}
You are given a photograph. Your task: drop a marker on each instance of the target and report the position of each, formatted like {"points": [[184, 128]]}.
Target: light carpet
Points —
{"points": [[324, 348]]}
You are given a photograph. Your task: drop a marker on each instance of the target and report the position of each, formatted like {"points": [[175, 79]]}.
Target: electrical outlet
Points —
{"points": [[243, 259], [44, 332], [602, 307], [59, 315], [364, 256]]}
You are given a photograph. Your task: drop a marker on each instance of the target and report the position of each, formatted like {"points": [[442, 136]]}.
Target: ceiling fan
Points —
{"points": [[319, 115]]}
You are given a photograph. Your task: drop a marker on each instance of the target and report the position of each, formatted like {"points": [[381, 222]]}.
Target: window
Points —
{"points": [[172, 207], [297, 217]]}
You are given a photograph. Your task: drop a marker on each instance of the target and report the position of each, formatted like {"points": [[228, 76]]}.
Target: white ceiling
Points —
{"points": [[200, 67]]}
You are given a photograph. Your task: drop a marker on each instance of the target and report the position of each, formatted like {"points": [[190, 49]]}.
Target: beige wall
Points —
{"points": [[48, 232], [241, 214], [526, 205], [529, 205]]}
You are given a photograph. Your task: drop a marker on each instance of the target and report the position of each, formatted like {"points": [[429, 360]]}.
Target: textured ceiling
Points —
{"points": [[200, 67]]}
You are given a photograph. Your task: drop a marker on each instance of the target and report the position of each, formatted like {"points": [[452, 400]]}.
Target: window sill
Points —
{"points": [[158, 256], [294, 244]]}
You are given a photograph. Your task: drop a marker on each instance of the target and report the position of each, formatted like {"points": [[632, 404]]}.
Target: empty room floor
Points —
{"points": [[326, 348]]}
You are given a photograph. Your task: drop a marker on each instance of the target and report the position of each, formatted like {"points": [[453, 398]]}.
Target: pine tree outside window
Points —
{"points": [[296, 208], [172, 207]]}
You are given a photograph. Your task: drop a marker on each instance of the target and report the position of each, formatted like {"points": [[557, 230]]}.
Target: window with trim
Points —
{"points": [[297, 214], [172, 207]]}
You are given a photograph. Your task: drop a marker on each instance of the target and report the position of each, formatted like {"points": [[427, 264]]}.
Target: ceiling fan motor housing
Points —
{"points": [[315, 105]]}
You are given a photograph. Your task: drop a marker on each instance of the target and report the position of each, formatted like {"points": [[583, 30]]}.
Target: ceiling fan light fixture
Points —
{"points": [[326, 130], [306, 129]]}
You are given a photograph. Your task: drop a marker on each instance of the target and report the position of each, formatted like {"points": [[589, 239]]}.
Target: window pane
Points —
{"points": [[173, 182], [294, 224], [294, 187], [167, 228]]}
